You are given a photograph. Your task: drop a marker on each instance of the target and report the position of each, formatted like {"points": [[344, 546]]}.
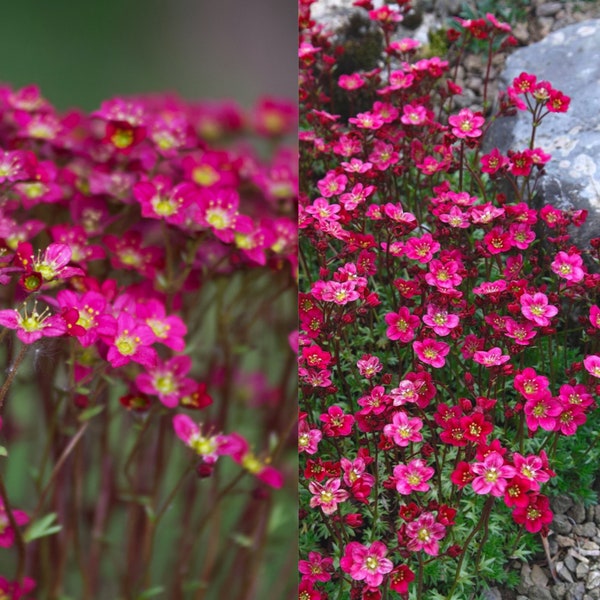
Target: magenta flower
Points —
{"points": [[443, 275], [32, 326], [327, 495], [132, 342], [366, 563], [401, 325], [536, 308], [159, 200], [209, 447], [531, 467], [493, 475], [169, 330], [440, 320], [431, 352], [424, 534], [403, 429], [466, 124], [7, 534], [531, 385], [568, 266], [168, 381], [93, 317], [534, 515], [592, 364], [542, 412], [53, 264], [336, 422], [316, 568], [422, 249], [413, 477], [521, 333]]}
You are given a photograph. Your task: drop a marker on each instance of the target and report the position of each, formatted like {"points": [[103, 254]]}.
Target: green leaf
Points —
{"points": [[151, 592], [90, 412], [41, 528]]}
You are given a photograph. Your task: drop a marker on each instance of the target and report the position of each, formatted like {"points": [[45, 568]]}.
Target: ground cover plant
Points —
{"points": [[147, 290], [449, 340]]}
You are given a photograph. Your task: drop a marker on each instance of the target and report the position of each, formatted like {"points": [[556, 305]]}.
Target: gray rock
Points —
{"points": [[585, 530], [577, 513], [582, 571], [561, 504], [492, 594], [593, 580], [559, 591], [597, 514], [568, 59], [539, 593], [548, 9], [562, 524]]}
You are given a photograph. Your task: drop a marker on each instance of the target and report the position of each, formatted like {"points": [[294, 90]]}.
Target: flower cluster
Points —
{"points": [[130, 239], [437, 372]]}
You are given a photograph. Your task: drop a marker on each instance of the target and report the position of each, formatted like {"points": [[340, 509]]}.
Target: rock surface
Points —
{"points": [[568, 59]]}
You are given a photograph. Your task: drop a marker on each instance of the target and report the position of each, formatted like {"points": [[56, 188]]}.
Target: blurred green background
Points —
{"points": [[83, 52]]}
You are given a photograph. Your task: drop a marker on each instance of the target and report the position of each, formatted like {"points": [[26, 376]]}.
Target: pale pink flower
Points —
{"points": [[413, 477], [443, 275], [440, 320], [308, 439], [493, 475], [568, 266], [327, 495], [404, 429], [592, 365], [366, 563], [424, 534], [491, 358], [536, 308], [466, 124], [531, 467]]}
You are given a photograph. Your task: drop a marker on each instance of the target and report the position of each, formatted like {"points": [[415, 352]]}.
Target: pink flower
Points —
{"points": [[7, 534], [568, 266], [531, 385], [443, 275], [308, 439], [591, 364], [337, 423], [368, 366], [32, 326], [440, 320], [366, 563], [536, 308], [493, 475], [535, 515], [531, 467], [316, 568], [332, 184], [167, 380], [466, 124], [351, 82], [491, 358], [209, 447], [242, 455], [521, 333], [413, 477], [327, 495], [401, 325], [542, 412], [404, 430], [160, 200], [595, 316], [422, 249], [132, 341], [414, 114], [424, 534], [431, 352]]}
